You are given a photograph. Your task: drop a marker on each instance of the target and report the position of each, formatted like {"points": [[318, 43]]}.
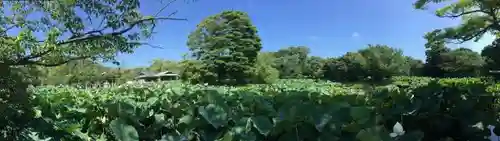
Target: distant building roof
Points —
{"points": [[166, 73], [494, 71], [148, 74]]}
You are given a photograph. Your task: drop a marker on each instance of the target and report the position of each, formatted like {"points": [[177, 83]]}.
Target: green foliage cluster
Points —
{"points": [[226, 45], [14, 103], [264, 72], [171, 111], [37, 34], [291, 61], [456, 108], [411, 109], [375, 63]]}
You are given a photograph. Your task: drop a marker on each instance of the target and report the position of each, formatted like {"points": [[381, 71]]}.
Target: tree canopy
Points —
{"points": [[71, 30], [56, 32], [227, 45], [291, 61], [478, 18]]}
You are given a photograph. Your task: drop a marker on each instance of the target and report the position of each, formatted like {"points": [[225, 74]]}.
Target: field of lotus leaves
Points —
{"points": [[289, 110]]}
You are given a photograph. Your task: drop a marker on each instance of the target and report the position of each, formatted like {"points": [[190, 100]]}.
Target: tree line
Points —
{"points": [[225, 49]]}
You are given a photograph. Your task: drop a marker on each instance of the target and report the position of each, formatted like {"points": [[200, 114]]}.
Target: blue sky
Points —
{"points": [[328, 27]]}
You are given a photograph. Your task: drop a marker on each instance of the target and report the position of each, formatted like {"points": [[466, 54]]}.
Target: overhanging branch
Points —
{"points": [[147, 44], [461, 40], [89, 34], [164, 7], [462, 14], [31, 62]]}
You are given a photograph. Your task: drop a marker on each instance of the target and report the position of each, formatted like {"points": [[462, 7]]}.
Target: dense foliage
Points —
{"points": [[226, 45], [69, 33], [264, 73], [374, 63], [291, 61], [416, 107], [53, 33]]}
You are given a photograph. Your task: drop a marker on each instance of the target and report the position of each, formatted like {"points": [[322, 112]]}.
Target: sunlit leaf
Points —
{"points": [[263, 124], [122, 131], [214, 114]]}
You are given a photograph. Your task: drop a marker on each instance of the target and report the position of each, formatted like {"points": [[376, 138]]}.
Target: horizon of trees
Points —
{"points": [[226, 47], [375, 62]]}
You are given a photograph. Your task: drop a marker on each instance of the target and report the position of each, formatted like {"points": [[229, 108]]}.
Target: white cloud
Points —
{"points": [[355, 34]]}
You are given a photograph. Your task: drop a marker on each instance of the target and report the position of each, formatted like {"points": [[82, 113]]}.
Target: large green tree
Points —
{"points": [[462, 62], [226, 46], [441, 61], [383, 62], [335, 70], [435, 49], [416, 66], [313, 67], [291, 61], [52, 33], [492, 59], [374, 63], [351, 67], [264, 72], [98, 31]]}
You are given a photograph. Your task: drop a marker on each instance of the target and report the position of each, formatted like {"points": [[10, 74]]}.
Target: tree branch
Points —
{"points": [[9, 28], [461, 40], [147, 44], [164, 7], [37, 55], [462, 14], [492, 13], [120, 32], [31, 62], [76, 36]]}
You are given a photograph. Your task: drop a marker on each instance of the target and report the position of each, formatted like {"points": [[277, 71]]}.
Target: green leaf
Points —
{"points": [[367, 135], [122, 131], [214, 97], [80, 110], [359, 113], [34, 136], [412, 136], [320, 120], [159, 118], [72, 128], [227, 137], [126, 109], [263, 124], [289, 136], [214, 114], [152, 100], [167, 137], [187, 119], [328, 137]]}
